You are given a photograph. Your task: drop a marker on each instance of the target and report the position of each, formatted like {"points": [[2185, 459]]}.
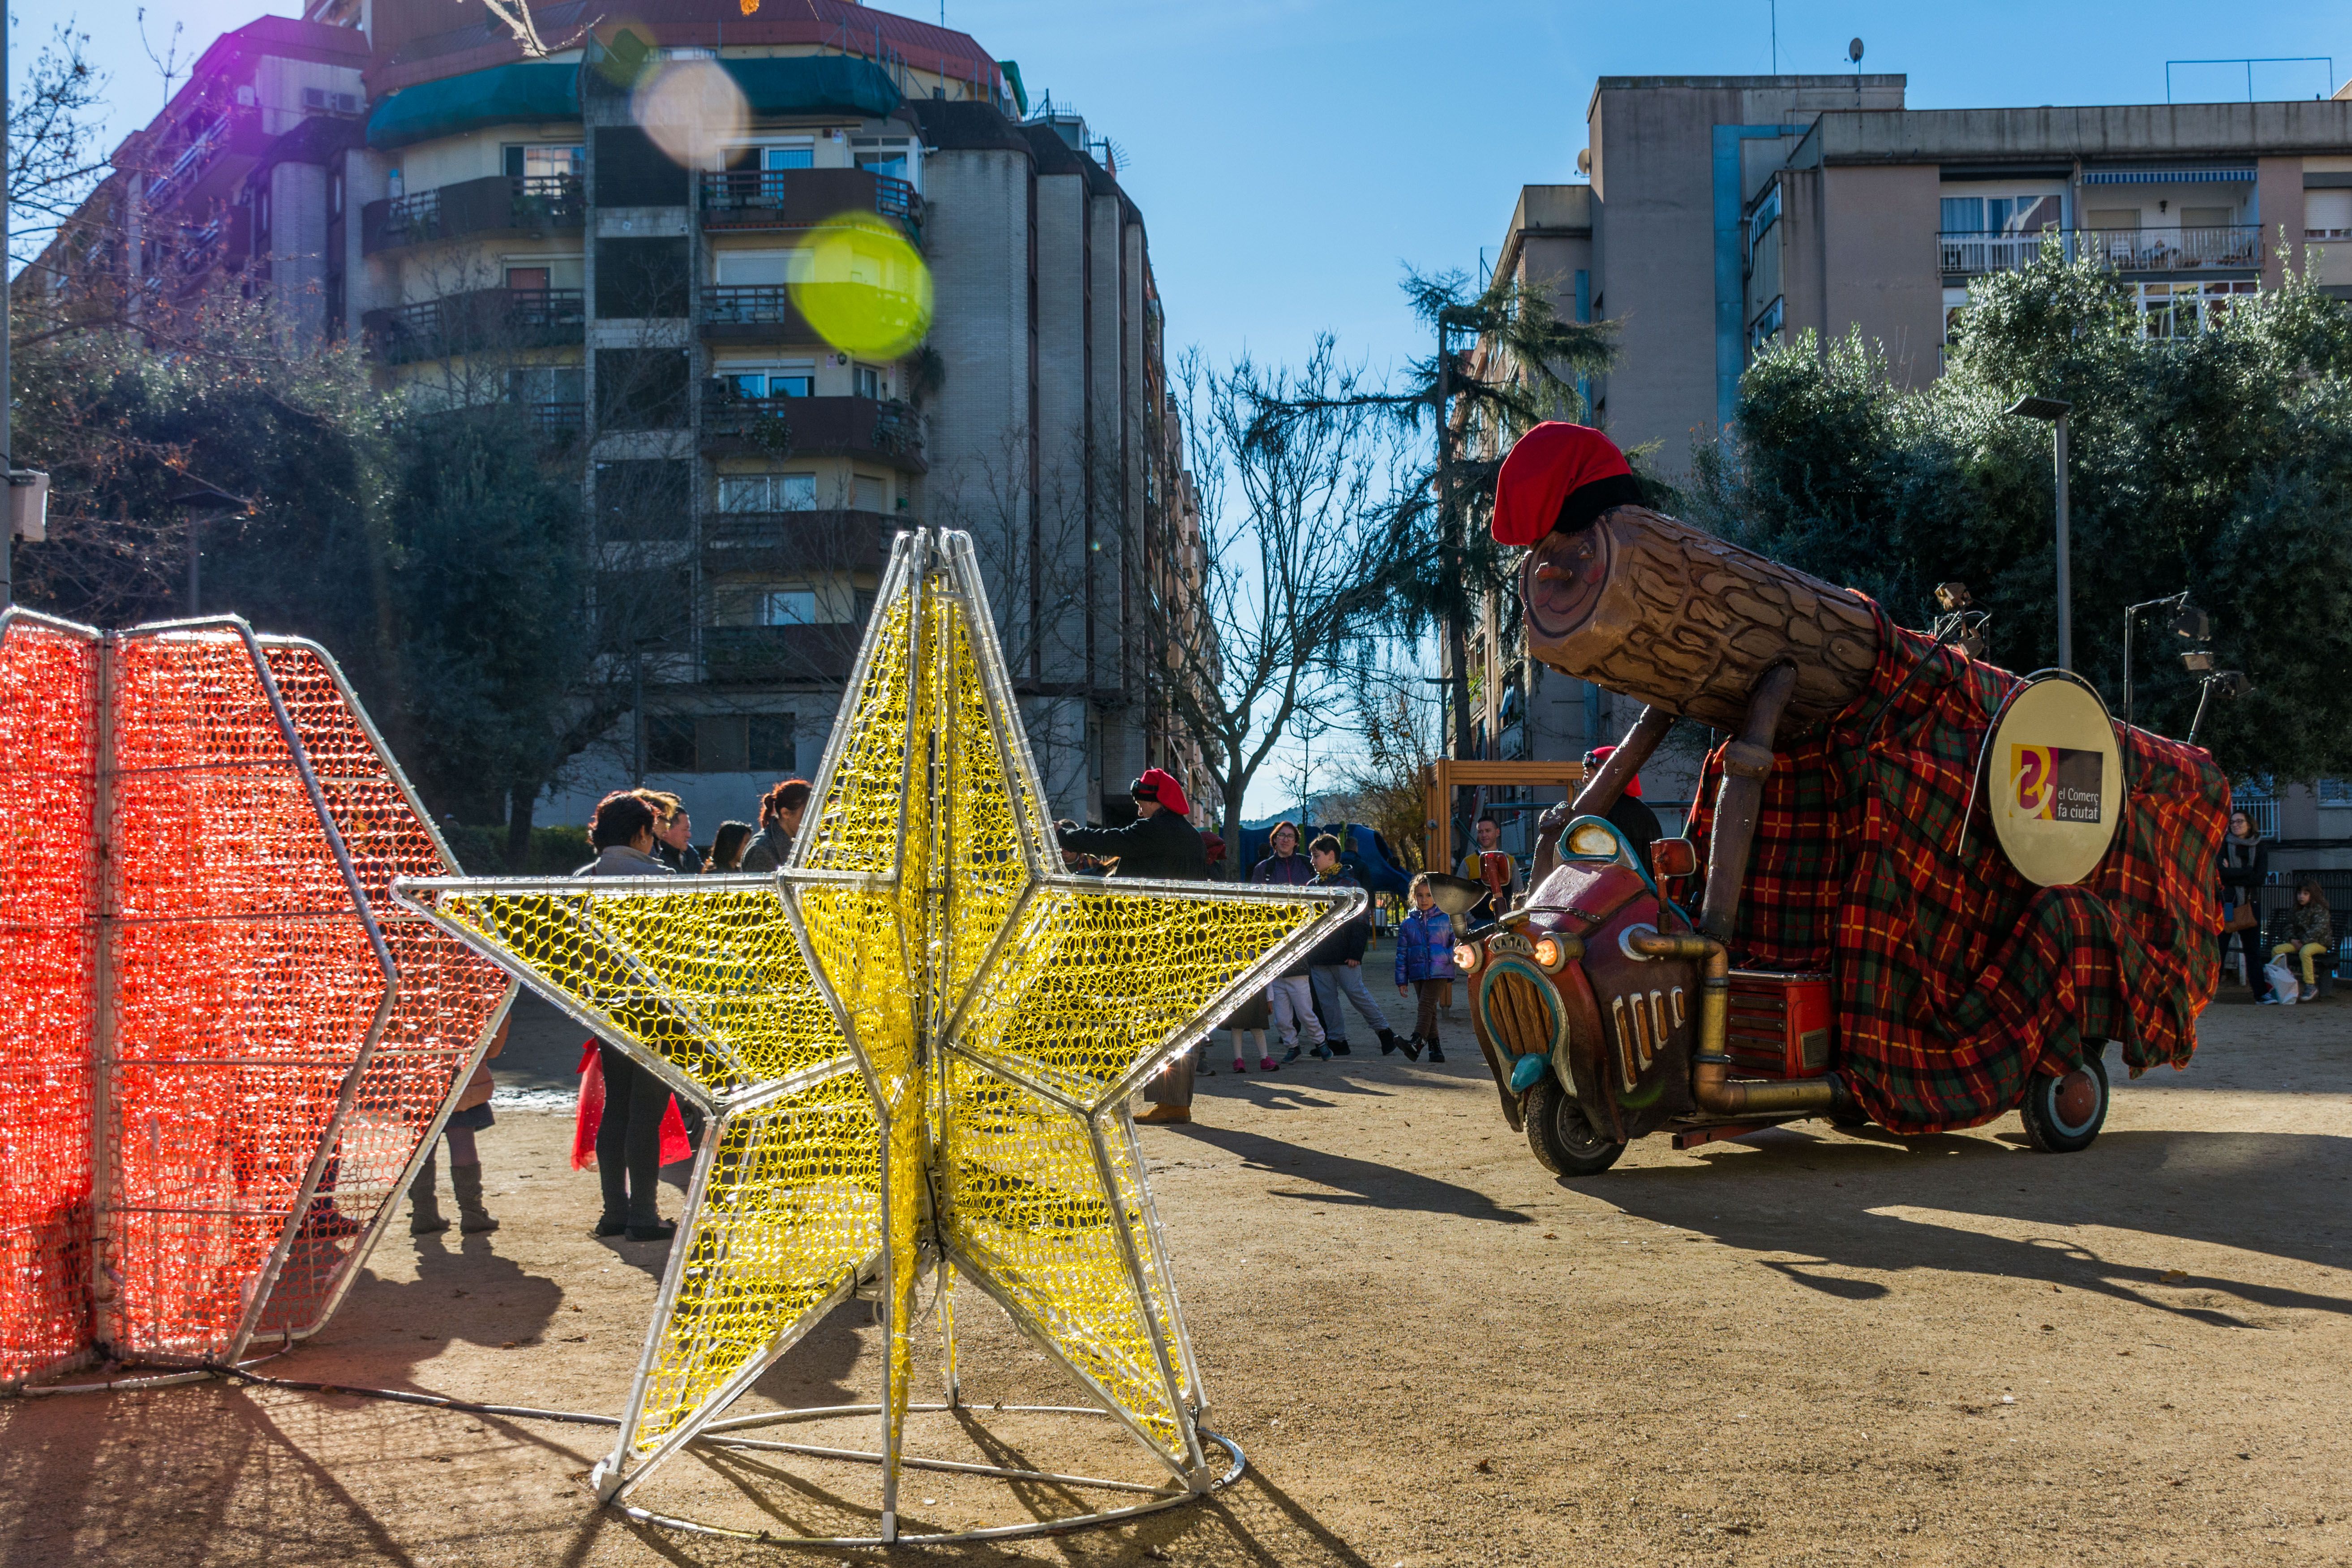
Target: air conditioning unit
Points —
{"points": [[314, 98], [319, 100], [347, 103]]}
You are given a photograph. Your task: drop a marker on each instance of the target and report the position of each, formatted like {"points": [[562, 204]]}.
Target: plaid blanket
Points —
{"points": [[1955, 977]]}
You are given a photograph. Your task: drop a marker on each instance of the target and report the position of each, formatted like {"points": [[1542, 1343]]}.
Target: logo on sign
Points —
{"points": [[2057, 783]]}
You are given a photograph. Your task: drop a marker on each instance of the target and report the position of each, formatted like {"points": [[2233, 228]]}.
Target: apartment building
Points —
{"points": [[1721, 213], [607, 234]]}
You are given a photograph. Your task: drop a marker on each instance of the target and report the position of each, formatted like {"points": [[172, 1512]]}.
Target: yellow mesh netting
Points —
{"points": [[710, 981], [791, 1208], [923, 844], [1090, 981], [1024, 1200]]}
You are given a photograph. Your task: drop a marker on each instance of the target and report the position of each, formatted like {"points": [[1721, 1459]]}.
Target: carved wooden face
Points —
{"points": [[1559, 582]]}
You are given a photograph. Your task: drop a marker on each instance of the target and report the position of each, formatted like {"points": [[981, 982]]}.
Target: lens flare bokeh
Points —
{"points": [[691, 109], [864, 287]]}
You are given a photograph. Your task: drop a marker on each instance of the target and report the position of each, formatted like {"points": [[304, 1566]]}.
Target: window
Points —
{"points": [[767, 493], [2115, 218], [669, 743], [865, 492], [720, 743], [2185, 309], [2327, 215], [798, 154], [1963, 215], [2022, 214], [768, 743], [870, 383], [2208, 218], [788, 608], [641, 278], [545, 162], [335, 196], [530, 279], [892, 157], [764, 267], [2335, 795], [791, 381]]}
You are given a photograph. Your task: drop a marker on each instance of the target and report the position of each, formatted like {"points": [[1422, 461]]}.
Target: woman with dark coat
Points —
{"points": [[629, 1137], [2245, 866]]}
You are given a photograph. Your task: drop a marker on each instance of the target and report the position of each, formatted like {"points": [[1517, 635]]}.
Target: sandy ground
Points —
{"points": [[1804, 1347]]}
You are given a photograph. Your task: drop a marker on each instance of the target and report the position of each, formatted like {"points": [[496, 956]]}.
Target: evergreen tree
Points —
{"points": [[2217, 462]]}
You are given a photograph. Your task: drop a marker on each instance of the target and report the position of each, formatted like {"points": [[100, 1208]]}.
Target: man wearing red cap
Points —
{"points": [[1159, 843], [1636, 821]]}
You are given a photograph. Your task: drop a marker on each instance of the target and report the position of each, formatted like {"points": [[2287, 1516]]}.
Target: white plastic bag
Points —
{"points": [[2285, 985]]}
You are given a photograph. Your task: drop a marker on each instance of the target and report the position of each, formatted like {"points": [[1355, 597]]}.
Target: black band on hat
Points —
{"points": [[1587, 502], [1138, 790]]}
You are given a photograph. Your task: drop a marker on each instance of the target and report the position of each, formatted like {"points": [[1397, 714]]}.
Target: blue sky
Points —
{"points": [[1291, 156]]}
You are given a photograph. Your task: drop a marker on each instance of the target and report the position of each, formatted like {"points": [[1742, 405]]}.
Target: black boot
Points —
{"points": [[1411, 1048], [473, 1219], [1388, 1041], [1338, 1047], [1434, 1054], [424, 1216]]}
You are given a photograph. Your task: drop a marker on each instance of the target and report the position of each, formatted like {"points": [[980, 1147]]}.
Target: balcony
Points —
{"points": [[536, 204], [745, 656], [209, 166], [754, 313], [485, 321], [826, 539], [2239, 245], [803, 198], [883, 431]]}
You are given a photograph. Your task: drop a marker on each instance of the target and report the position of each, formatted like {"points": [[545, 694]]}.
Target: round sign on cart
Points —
{"points": [[2056, 778]]}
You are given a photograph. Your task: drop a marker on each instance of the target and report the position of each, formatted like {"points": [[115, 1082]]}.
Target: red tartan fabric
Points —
{"points": [[1953, 977]]}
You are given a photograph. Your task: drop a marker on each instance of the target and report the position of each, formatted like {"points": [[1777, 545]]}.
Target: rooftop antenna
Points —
{"points": [[1776, 38], [1854, 53]]}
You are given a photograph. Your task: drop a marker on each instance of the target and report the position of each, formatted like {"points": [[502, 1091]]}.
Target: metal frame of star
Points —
{"points": [[924, 561]]}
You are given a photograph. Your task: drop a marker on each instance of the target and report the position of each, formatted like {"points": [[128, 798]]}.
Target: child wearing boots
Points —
{"points": [[1424, 961], [470, 1116]]}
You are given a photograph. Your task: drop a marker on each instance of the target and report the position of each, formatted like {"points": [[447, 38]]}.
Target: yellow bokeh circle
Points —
{"points": [[862, 286]]}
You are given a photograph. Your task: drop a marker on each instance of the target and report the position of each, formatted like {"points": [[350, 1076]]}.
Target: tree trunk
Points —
{"points": [[521, 801], [1649, 606]]}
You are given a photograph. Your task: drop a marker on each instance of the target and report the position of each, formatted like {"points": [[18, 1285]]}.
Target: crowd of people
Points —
{"points": [[650, 833]]}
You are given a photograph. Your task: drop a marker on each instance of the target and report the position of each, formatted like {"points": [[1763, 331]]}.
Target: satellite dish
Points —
{"points": [[1584, 162], [1854, 51]]}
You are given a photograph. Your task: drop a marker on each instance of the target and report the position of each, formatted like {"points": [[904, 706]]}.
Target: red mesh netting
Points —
{"points": [[445, 1001], [49, 761], [223, 971]]}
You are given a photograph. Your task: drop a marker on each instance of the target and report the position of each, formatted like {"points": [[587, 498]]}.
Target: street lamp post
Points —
{"points": [[2054, 411], [200, 505]]}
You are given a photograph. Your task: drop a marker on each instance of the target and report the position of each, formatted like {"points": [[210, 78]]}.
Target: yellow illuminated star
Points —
{"points": [[916, 1043]]}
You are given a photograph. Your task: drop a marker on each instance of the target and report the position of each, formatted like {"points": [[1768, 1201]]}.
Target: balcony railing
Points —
{"points": [[881, 427], [803, 198], [532, 204], [754, 312], [735, 655], [2124, 250], [236, 130], [482, 320]]}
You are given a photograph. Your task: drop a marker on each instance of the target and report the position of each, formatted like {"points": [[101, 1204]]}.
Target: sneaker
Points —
{"points": [[1434, 1054], [660, 1230], [2266, 1000], [1323, 1053], [1241, 1065], [1292, 1055], [2310, 992], [1270, 1065]]}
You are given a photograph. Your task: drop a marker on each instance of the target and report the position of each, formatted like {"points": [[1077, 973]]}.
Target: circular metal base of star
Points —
{"points": [[727, 1434]]}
